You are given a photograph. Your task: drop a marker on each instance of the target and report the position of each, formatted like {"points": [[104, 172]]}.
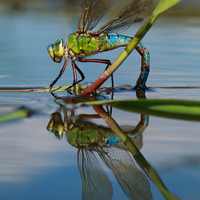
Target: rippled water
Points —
{"points": [[36, 165]]}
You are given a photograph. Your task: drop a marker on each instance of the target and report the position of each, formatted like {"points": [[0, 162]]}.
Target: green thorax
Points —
{"points": [[81, 45], [87, 134]]}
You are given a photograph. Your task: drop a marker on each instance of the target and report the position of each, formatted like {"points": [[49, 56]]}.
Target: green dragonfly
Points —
{"points": [[91, 139], [84, 43]]}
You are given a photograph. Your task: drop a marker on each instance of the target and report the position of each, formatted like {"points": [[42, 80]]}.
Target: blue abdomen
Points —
{"points": [[112, 41]]}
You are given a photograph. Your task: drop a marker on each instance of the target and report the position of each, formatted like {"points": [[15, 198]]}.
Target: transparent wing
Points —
{"points": [[133, 182], [93, 11], [126, 17], [96, 184]]}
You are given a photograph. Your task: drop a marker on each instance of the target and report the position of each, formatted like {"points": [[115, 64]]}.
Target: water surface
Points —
{"points": [[36, 165]]}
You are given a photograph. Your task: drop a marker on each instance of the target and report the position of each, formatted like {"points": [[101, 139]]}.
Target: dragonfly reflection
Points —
{"points": [[92, 140]]}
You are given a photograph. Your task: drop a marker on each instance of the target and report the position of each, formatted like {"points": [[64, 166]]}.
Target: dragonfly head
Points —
{"points": [[56, 50]]}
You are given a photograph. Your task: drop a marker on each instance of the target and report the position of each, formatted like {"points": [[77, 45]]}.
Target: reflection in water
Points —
{"points": [[92, 139], [95, 183], [133, 182], [113, 145]]}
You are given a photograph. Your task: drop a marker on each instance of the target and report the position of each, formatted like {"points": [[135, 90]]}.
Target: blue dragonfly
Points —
{"points": [[84, 43], [91, 139]]}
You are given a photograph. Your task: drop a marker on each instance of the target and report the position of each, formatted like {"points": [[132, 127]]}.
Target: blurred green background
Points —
{"points": [[185, 7]]}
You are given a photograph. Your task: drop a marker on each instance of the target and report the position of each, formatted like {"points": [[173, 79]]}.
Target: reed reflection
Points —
{"points": [[91, 140]]}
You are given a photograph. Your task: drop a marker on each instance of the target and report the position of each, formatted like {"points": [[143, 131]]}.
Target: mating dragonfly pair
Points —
{"points": [[84, 43]]}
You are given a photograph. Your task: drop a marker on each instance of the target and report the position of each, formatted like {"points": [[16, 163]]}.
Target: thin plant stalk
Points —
{"points": [[161, 7], [139, 158]]}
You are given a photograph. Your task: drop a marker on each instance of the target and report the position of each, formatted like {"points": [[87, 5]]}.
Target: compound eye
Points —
{"points": [[56, 51], [50, 51]]}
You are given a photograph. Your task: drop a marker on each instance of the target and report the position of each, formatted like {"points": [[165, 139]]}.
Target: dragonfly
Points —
{"points": [[95, 183], [91, 139], [84, 43]]}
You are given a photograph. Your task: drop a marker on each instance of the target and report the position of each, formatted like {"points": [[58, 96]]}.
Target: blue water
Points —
{"points": [[34, 164]]}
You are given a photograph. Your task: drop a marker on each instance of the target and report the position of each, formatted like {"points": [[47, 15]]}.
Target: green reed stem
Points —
{"points": [[139, 158], [161, 7]]}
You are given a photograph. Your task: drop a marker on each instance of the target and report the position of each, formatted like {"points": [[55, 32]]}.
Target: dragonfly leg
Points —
{"points": [[145, 68], [74, 68], [60, 74], [101, 61]]}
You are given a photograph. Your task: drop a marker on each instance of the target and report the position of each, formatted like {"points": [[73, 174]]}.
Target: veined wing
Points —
{"points": [[93, 11], [133, 182], [96, 184], [126, 17]]}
